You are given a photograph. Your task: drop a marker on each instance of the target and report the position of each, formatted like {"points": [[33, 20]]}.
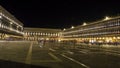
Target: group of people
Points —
{"points": [[41, 43]]}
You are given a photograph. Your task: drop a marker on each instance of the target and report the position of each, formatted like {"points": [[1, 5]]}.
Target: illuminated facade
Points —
{"points": [[106, 31], [10, 27], [34, 34]]}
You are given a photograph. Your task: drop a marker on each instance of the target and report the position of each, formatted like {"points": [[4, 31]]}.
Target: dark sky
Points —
{"points": [[58, 13]]}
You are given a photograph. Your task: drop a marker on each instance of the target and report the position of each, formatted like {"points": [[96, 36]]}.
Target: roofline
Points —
{"points": [[40, 28], [10, 15], [95, 22]]}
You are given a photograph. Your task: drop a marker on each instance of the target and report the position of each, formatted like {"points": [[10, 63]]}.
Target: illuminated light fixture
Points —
{"points": [[64, 29], [72, 27], [11, 23], [107, 18], [0, 16], [59, 40], [84, 24], [118, 37], [114, 37], [48, 34], [47, 38], [43, 33]]}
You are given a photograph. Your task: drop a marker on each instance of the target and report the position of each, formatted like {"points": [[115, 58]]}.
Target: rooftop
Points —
{"points": [[28, 29]]}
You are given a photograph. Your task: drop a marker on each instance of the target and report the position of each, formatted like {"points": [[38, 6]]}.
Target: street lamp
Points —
{"points": [[72, 27], [84, 23], [107, 18], [0, 17], [64, 29]]}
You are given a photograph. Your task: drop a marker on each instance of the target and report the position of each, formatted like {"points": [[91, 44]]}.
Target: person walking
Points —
{"points": [[41, 43]]}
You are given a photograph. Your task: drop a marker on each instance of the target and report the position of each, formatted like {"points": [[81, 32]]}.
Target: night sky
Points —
{"points": [[60, 14]]}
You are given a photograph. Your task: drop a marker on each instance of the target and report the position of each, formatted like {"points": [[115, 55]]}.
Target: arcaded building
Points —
{"points": [[10, 27], [103, 31], [35, 34]]}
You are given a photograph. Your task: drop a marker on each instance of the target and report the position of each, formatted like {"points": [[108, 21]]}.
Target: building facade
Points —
{"points": [[35, 34], [10, 27], [105, 31]]}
